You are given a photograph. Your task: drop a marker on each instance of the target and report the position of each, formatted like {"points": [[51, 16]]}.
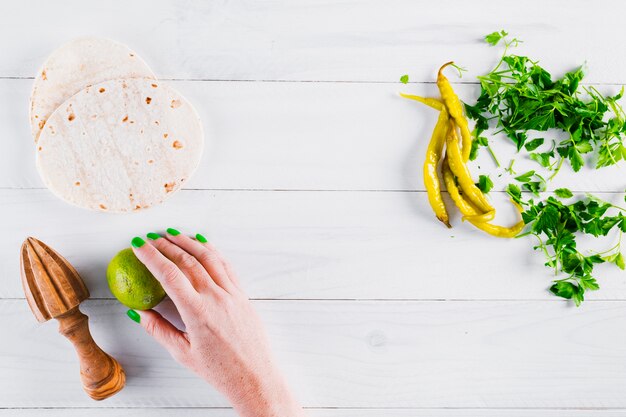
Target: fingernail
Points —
{"points": [[153, 236], [137, 242], [134, 316], [201, 238], [173, 232]]}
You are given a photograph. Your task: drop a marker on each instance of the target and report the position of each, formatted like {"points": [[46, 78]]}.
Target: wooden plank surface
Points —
{"points": [[303, 136], [353, 354], [331, 245], [311, 185], [313, 412], [354, 40]]}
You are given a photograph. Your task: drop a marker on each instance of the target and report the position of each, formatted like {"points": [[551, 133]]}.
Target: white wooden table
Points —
{"points": [[312, 186]]}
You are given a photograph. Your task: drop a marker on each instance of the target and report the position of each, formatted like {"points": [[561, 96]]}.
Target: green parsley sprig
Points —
{"points": [[556, 226], [521, 96]]}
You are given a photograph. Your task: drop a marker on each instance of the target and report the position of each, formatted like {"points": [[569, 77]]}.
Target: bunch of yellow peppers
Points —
{"points": [[445, 146]]}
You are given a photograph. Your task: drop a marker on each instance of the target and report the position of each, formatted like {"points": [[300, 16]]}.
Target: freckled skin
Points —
{"points": [[224, 342]]}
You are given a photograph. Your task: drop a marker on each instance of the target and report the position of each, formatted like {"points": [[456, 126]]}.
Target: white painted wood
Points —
{"points": [[314, 412], [421, 358], [353, 354], [330, 136], [312, 40], [369, 245]]}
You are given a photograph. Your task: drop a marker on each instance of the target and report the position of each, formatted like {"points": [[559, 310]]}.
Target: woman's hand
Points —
{"points": [[224, 341]]}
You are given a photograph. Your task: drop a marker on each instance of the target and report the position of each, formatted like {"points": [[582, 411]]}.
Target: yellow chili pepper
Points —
{"points": [[499, 231], [458, 167], [431, 179], [435, 103], [455, 108], [469, 211]]}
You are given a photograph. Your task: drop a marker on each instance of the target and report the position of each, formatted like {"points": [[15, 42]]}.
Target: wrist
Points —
{"points": [[265, 395]]}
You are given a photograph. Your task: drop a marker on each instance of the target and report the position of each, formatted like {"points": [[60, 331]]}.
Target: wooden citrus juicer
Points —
{"points": [[54, 289]]}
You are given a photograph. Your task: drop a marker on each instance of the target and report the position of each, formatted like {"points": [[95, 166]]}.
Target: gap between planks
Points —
{"points": [[234, 80]]}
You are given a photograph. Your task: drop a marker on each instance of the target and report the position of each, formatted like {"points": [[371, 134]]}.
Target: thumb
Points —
{"points": [[164, 332]]}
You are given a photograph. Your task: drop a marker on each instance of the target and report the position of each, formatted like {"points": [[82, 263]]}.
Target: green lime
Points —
{"points": [[131, 282]]}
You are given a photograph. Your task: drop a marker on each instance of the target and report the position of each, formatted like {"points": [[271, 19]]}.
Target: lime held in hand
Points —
{"points": [[131, 282]]}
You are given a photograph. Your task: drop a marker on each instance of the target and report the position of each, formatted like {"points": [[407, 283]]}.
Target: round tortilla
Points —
{"points": [[120, 145], [76, 65]]}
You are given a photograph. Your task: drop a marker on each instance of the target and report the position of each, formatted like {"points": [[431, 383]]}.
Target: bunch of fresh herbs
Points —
{"points": [[556, 225], [518, 96], [521, 96]]}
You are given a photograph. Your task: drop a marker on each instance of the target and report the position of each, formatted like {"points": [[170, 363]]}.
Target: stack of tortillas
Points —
{"points": [[109, 136]]}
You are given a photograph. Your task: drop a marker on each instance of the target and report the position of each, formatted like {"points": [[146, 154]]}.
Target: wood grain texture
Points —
{"points": [[364, 245], [51, 284], [101, 375], [303, 136], [470, 358], [354, 354], [352, 40], [54, 289]]}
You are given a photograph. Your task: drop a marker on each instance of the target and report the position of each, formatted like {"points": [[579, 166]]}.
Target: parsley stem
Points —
{"points": [[510, 168], [493, 155], [558, 168]]}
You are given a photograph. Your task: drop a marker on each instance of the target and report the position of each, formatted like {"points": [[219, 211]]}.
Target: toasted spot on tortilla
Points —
{"points": [[102, 90], [125, 119], [165, 135], [154, 85], [40, 148], [175, 104], [71, 117], [148, 100], [43, 75], [103, 207], [150, 161], [177, 145], [169, 187], [77, 183], [41, 124]]}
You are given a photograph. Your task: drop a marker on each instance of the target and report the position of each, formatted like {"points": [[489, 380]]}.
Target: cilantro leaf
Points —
{"points": [[515, 193], [563, 289], [542, 158], [484, 183], [476, 143], [525, 177], [576, 159], [495, 37], [534, 144], [404, 79], [563, 193]]}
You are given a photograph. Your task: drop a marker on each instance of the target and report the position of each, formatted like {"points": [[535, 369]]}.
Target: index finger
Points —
{"points": [[174, 282]]}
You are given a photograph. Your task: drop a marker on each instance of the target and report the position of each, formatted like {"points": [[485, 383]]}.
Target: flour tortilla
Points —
{"points": [[76, 65], [120, 145]]}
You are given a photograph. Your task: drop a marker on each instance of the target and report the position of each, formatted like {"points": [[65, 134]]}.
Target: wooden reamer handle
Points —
{"points": [[101, 375]]}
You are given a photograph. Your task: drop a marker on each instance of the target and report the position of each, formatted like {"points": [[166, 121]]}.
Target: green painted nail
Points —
{"points": [[153, 236], [137, 242], [134, 316], [173, 232], [201, 238]]}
